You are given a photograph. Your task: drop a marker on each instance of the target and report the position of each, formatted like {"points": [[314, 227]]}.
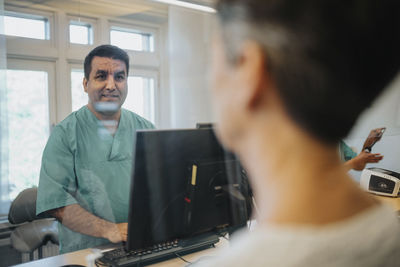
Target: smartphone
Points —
{"points": [[376, 137]]}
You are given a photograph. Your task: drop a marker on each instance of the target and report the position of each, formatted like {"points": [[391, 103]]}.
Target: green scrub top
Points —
{"points": [[83, 163], [346, 153]]}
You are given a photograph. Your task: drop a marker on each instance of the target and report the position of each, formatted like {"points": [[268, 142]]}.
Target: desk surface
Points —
{"points": [[79, 257], [391, 201]]}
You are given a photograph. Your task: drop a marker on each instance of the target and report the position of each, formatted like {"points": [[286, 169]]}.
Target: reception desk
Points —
{"points": [[79, 257], [392, 201]]}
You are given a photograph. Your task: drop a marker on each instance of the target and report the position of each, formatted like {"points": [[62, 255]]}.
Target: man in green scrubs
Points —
{"points": [[86, 165]]}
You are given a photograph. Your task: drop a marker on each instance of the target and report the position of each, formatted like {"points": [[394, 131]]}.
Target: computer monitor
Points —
{"points": [[184, 184], [204, 125]]}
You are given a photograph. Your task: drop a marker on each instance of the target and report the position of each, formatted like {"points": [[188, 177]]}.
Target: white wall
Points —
{"points": [[385, 112], [189, 54]]}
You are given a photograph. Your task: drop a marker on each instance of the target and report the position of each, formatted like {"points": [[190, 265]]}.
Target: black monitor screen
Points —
{"points": [[183, 184]]}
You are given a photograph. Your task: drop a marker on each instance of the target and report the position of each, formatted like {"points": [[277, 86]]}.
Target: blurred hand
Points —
{"points": [[117, 233], [358, 163], [374, 136]]}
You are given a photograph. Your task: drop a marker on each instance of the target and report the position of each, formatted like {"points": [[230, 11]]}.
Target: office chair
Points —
{"points": [[31, 232]]}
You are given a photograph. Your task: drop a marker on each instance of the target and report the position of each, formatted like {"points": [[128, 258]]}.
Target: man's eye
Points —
{"points": [[120, 77], [100, 76]]}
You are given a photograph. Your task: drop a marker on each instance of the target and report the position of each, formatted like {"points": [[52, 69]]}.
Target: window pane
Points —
{"points": [[79, 34], [131, 41], [28, 126], [141, 98], [24, 27], [79, 97]]}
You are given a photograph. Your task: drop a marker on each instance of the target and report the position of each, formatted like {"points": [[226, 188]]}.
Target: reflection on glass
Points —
{"points": [[28, 126], [79, 34], [140, 99], [131, 40], [24, 27]]}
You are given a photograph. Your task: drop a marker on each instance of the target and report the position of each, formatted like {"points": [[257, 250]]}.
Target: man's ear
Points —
{"points": [[84, 82], [252, 69]]}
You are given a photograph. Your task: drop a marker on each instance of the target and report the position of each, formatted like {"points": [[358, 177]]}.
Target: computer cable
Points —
{"points": [[179, 256], [223, 235]]}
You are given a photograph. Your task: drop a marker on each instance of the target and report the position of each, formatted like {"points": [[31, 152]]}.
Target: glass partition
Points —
{"points": [[43, 45]]}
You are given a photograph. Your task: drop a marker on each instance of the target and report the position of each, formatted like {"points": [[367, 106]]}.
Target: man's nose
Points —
{"points": [[110, 85]]}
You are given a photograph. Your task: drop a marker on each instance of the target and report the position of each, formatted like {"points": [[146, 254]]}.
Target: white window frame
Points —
{"points": [[137, 28], [60, 51], [84, 21], [31, 16], [17, 45]]}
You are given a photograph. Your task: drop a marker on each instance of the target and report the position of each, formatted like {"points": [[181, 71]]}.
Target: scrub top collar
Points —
{"points": [[105, 134]]}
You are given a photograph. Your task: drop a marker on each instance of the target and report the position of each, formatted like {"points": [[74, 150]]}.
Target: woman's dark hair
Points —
{"points": [[109, 51], [329, 59]]}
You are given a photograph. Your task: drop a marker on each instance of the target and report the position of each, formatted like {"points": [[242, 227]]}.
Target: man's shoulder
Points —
{"points": [[137, 120], [69, 124], [72, 118]]}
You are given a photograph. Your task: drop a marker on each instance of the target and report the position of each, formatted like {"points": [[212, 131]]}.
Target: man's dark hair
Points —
{"points": [[109, 51], [329, 59]]}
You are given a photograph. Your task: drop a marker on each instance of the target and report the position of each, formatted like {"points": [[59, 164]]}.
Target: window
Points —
{"points": [[28, 109], [33, 98], [140, 99], [24, 25], [78, 95], [132, 40], [28, 126], [80, 33]]}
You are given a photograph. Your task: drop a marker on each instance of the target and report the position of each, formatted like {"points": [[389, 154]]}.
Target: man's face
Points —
{"points": [[107, 83]]}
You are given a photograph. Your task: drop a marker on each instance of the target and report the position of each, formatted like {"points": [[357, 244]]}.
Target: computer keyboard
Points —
{"points": [[156, 253]]}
